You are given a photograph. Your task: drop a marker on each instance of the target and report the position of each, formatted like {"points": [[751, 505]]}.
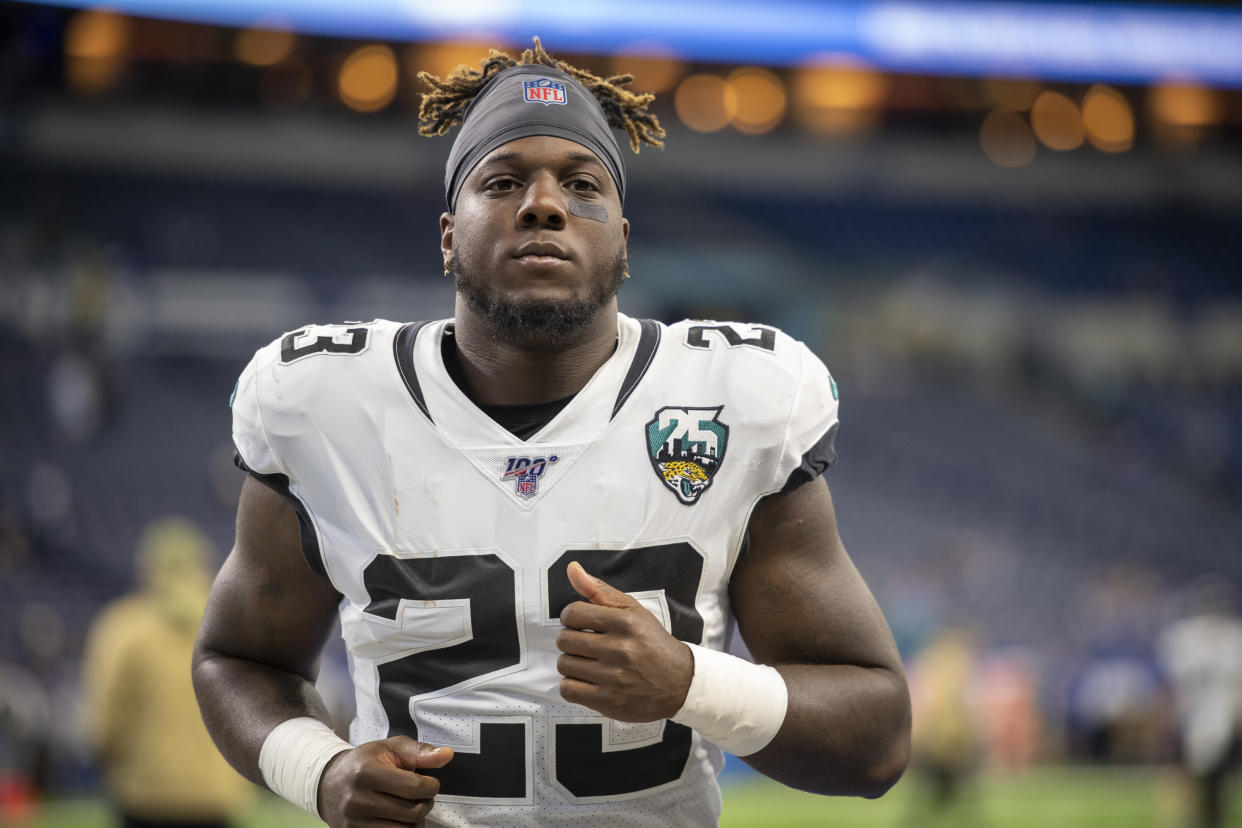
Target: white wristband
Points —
{"points": [[293, 757], [738, 705]]}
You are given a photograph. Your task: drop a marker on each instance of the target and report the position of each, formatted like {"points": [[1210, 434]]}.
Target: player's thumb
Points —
{"points": [[430, 756], [596, 590], [412, 755]]}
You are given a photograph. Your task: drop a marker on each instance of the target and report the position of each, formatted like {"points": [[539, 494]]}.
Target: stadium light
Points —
{"points": [[1073, 41]]}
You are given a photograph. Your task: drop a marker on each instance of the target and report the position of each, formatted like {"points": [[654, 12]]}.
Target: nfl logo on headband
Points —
{"points": [[544, 91]]}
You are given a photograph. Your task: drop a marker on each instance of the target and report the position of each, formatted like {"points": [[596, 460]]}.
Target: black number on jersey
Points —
{"points": [[499, 769], [765, 340], [582, 766], [323, 339]]}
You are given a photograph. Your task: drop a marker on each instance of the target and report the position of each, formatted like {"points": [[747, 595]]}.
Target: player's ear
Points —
{"points": [[446, 234], [625, 228]]}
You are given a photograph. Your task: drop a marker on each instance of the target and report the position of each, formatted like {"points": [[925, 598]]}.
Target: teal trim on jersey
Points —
{"points": [[835, 394], [233, 396]]}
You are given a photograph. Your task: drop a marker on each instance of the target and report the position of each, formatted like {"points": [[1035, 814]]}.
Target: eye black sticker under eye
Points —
{"points": [[587, 210]]}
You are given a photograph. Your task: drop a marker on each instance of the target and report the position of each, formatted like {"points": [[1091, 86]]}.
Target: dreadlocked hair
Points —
{"points": [[444, 104]]}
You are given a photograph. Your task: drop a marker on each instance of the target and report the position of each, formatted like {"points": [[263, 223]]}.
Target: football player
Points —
{"points": [[539, 522]]}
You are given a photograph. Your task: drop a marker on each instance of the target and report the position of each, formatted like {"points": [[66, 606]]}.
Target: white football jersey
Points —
{"points": [[449, 538]]}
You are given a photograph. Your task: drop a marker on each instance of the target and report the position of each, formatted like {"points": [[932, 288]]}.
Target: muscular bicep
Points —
{"points": [[796, 595], [267, 605]]}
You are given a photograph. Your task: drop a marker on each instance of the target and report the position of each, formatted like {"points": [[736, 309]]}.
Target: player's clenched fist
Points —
{"points": [[379, 781], [617, 658]]}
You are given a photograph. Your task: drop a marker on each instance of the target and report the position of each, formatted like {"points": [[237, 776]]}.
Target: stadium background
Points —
{"points": [[1024, 276]]}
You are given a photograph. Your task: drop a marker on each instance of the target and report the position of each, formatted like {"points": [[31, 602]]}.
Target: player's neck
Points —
{"points": [[499, 371]]}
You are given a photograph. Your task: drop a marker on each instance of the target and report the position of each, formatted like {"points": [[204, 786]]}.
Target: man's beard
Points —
{"points": [[536, 323]]}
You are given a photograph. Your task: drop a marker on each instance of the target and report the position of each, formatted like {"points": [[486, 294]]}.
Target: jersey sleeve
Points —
{"points": [[270, 424], [254, 450], [809, 446]]}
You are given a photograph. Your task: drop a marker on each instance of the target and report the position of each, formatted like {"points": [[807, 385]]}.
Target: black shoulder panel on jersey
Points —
{"points": [[279, 483], [403, 350], [816, 460], [648, 341]]}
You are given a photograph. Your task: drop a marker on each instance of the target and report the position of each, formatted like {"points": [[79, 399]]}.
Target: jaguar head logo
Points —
{"points": [[686, 447], [684, 477]]}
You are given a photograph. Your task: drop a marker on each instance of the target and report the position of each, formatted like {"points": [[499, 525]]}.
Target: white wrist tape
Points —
{"points": [[738, 705], [293, 757]]}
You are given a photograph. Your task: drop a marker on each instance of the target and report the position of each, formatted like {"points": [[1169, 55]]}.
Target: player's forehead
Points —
{"points": [[536, 151]]}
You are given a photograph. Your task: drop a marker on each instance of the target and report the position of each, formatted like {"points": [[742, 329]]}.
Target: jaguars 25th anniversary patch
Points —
{"points": [[686, 447]]}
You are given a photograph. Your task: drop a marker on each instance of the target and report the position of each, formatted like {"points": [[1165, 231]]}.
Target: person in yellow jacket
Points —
{"points": [[948, 737], [142, 721]]}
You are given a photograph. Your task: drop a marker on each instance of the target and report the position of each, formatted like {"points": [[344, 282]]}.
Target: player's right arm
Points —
{"points": [[255, 663]]}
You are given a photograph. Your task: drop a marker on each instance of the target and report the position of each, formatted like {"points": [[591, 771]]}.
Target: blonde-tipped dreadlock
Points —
{"points": [[444, 104]]}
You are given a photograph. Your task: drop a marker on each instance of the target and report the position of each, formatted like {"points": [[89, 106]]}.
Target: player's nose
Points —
{"points": [[544, 204]]}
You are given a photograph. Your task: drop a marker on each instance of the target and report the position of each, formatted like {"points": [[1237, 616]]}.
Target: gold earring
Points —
{"points": [[625, 275]]}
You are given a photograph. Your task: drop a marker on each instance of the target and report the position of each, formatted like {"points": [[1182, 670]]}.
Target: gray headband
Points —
{"points": [[527, 100]]}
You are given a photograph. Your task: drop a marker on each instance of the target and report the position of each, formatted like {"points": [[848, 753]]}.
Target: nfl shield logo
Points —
{"points": [[544, 91], [525, 473]]}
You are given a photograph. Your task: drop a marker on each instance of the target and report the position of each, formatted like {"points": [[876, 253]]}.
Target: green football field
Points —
{"points": [[1044, 798]]}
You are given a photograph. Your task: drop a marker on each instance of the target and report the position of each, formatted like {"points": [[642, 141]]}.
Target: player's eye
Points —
{"points": [[500, 185], [583, 185]]}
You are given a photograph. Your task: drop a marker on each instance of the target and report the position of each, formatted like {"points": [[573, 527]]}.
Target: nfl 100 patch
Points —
{"points": [[544, 91], [525, 473], [686, 447]]}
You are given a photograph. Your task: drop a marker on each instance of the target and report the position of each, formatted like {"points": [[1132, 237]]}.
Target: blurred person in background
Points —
{"points": [[403, 476], [143, 725], [947, 740], [25, 725], [1202, 656]]}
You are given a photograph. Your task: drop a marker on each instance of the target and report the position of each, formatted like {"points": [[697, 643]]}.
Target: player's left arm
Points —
{"points": [[802, 607]]}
